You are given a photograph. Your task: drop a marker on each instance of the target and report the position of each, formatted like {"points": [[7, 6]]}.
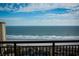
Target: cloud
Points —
{"points": [[59, 11], [46, 6], [12, 6], [54, 8], [40, 22], [30, 7], [36, 7], [43, 14]]}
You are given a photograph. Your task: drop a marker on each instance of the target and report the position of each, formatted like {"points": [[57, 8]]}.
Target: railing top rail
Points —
{"points": [[52, 41]]}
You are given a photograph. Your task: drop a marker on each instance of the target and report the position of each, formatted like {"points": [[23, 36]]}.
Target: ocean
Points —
{"points": [[42, 32]]}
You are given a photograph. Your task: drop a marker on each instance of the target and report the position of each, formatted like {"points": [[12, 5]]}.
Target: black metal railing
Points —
{"points": [[39, 48]]}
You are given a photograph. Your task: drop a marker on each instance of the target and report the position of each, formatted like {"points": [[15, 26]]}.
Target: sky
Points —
{"points": [[40, 14]]}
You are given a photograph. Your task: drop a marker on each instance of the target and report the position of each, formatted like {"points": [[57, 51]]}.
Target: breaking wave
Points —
{"points": [[36, 37]]}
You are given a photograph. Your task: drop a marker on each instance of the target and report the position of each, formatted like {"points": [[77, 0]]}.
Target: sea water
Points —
{"points": [[42, 32]]}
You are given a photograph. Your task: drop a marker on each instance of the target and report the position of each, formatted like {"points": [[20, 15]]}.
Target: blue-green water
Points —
{"points": [[43, 30]]}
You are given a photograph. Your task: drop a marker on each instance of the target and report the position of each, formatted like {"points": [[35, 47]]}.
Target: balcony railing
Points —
{"points": [[39, 48]]}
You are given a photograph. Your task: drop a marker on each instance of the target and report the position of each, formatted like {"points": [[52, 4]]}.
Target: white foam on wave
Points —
{"points": [[47, 37], [42, 38]]}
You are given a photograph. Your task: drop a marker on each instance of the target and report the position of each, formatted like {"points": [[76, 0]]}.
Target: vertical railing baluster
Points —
{"points": [[46, 50], [72, 48], [75, 50], [0, 50], [14, 48], [18, 51], [38, 50], [63, 50], [7, 51], [53, 48], [60, 50], [56, 50], [4, 51], [66, 50], [33, 50], [26, 50], [22, 50], [42, 51], [30, 50], [69, 50], [42, 54], [50, 51], [10, 51], [77, 47]]}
